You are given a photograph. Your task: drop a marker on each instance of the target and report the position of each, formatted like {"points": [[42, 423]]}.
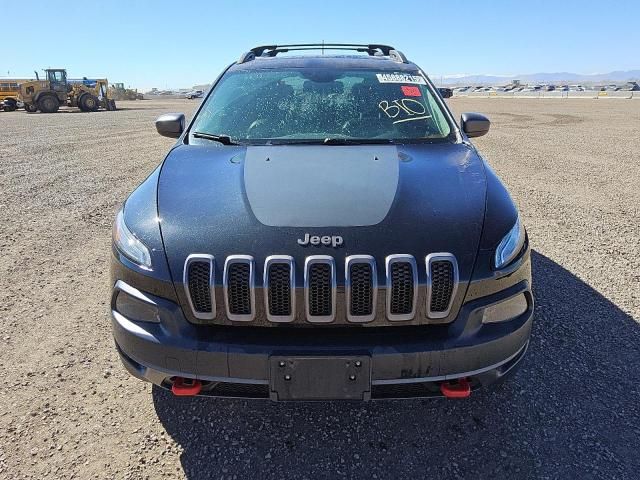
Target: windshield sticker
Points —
{"points": [[410, 91], [400, 78], [404, 110]]}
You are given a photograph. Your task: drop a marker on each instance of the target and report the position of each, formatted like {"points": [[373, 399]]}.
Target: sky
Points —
{"points": [[171, 44]]}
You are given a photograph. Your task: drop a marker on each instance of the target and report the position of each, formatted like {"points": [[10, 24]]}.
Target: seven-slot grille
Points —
{"points": [[361, 286]]}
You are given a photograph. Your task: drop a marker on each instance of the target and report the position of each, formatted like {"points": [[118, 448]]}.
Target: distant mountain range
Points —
{"points": [[566, 77]]}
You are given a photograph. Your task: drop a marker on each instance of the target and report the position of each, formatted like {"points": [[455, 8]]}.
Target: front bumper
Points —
{"points": [[405, 362]]}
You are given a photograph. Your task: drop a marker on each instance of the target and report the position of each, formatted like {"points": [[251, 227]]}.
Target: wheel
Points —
{"points": [[48, 104], [89, 103], [80, 102], [111, 105], [30, 108]]}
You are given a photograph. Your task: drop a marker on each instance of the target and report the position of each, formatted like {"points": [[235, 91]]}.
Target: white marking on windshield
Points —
{"points": [[424, 117]]}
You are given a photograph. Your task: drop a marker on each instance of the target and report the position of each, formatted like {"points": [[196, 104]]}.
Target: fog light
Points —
{"points": [[135, 309], [507, 310]]}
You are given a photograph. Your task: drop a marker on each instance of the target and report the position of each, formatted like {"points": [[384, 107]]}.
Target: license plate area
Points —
{"points": [[320, 378]]}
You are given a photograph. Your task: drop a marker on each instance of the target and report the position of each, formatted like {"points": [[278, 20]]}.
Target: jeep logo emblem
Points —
{"points": [[334, 240]]}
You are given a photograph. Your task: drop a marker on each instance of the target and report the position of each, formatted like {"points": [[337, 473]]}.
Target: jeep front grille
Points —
{"points": [[198, 280], [320, 288], [238, 282], [358, 303], [442, 282]]}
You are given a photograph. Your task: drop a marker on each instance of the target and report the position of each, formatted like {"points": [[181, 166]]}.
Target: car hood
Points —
{"points": [[381, 199]]}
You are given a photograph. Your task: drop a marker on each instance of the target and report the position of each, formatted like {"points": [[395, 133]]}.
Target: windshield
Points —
{"points": [[315, 105]]}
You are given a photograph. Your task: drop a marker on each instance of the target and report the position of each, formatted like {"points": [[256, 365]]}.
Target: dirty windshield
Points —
{"points": [[320, 105]]}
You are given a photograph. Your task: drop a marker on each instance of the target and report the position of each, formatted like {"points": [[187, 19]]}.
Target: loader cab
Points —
{"points": [[57, 78]]}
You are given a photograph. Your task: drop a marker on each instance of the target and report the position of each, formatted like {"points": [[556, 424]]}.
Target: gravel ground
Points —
{"points": [[69, 410]]}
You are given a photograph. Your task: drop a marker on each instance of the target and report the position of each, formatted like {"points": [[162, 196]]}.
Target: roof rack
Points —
{"points": [[372, 49]]}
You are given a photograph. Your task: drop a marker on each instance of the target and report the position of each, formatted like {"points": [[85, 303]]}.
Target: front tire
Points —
{"points": [[30, 108], [48, 104], [89, 103]]}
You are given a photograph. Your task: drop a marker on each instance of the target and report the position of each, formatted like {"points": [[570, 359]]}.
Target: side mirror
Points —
{"points": [[445, 92], [474, 124], [170, 124]]}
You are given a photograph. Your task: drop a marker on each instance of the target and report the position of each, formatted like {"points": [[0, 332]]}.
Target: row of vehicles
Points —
{"points": [[516, 87], [56, 89]]}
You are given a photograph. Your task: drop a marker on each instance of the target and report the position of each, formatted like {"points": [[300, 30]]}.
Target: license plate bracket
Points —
{"points": [[320, 377]]}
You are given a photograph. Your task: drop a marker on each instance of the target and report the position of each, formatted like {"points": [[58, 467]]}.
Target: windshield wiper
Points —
{"points": [[223, 139]]}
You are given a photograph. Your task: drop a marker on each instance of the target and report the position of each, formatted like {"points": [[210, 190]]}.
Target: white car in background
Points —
{"points": [[194, 94]]}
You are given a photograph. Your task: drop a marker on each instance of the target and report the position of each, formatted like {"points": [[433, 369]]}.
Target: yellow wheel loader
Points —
{"points": [[48, 95], [117, 91]]}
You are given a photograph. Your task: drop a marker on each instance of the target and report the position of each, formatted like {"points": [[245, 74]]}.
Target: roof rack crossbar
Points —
{"points": [[371, 48]]}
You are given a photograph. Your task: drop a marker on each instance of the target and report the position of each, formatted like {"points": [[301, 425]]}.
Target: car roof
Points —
{"points": [[382, 63]]}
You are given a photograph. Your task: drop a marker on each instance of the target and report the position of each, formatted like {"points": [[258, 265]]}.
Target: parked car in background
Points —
{"points": [[445, 92], [194, 94]]}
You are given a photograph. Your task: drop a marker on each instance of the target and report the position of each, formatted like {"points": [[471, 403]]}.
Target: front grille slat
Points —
{"points": [[361, 287], [239, 288], [402, 287], [198, 282], [320, 288], [199, 273], [279, 285], [442, 275], [279, 290], [442, 283]]}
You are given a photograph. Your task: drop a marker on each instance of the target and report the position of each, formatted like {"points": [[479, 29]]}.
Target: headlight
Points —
{"points": [[510, 245], [129, 245]]}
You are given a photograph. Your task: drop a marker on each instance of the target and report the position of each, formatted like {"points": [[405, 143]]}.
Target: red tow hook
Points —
{"points": [[462, 389], [186, 387]]}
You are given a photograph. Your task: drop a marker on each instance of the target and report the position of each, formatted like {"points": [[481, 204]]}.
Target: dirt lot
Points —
{"points": [[69, 410]]}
